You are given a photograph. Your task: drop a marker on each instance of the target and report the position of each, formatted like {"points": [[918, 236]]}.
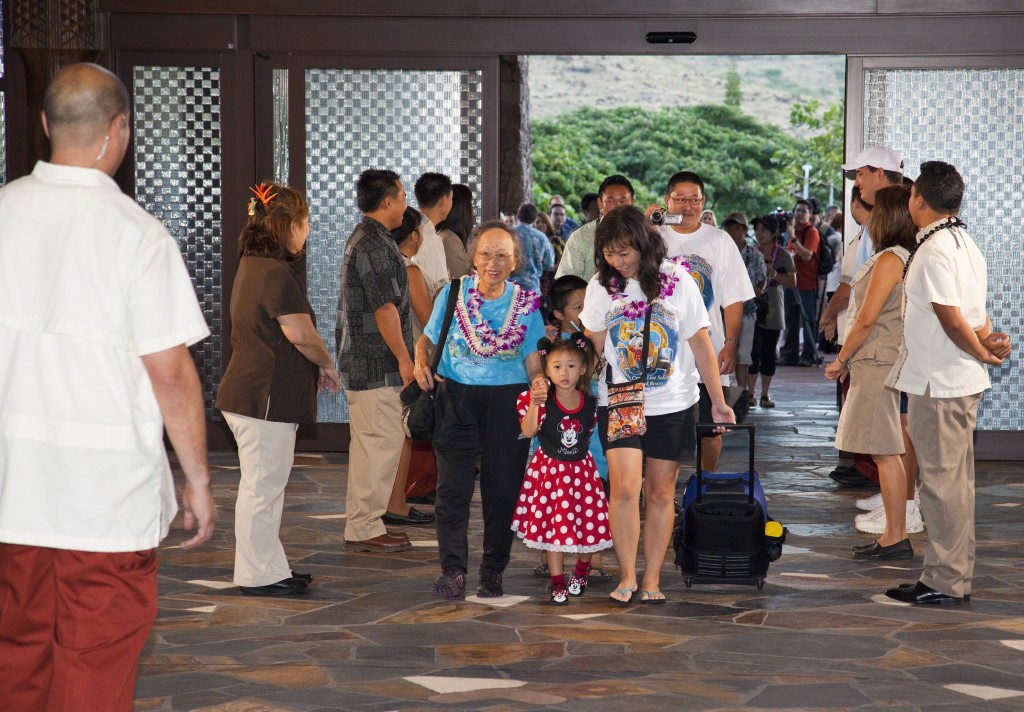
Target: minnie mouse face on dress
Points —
{"points": [[570, 429]]}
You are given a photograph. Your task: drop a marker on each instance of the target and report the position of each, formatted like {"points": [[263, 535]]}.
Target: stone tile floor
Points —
{"points": [[818, 636]]}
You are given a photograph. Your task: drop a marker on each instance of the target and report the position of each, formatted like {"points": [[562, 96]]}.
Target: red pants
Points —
{"points": [[72, 625]]}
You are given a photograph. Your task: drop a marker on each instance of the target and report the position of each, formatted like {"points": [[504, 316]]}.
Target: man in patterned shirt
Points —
{"points": [[374, 343]]}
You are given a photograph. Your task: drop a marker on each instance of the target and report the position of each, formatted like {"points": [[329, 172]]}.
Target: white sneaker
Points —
{"points": [[869, 504], [873, 522]]}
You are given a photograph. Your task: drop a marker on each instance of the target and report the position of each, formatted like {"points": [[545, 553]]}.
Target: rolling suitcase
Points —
{"points": [[721, 532]]}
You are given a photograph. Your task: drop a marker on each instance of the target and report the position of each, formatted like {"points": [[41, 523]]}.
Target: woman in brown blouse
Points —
{"points": [[278, 359]]}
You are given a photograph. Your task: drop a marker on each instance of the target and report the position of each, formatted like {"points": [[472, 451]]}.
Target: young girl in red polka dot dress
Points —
{"points": [[562, 508]]}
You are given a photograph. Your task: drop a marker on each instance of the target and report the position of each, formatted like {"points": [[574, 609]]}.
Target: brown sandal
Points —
{"points": [[767, 402]]}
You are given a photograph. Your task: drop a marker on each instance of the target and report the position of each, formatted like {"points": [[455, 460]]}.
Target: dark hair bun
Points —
{"points": [[544, 344]]}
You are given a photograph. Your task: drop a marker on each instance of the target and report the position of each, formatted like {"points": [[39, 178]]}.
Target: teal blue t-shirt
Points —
{"points": [[506, 366]]}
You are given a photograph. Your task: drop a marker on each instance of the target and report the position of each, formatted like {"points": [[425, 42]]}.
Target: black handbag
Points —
{"points": [[421, 410], [763, 309]]}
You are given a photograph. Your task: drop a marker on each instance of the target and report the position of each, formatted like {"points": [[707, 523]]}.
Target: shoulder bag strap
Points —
{"points": [[647, 341], [454, 289]]}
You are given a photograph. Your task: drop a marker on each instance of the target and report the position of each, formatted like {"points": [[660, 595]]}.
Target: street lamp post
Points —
{"points": [[807, 178]]}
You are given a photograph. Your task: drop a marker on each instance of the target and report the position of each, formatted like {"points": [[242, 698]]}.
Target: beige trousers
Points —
{"points": [[942, 430], [377, 435], [266, 451]]}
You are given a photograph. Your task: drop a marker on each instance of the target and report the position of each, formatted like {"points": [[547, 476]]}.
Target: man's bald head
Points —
{"points": [[81, 101]]}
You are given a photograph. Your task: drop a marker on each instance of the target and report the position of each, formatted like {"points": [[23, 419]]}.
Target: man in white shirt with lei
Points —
{"points": [[948, 342]]}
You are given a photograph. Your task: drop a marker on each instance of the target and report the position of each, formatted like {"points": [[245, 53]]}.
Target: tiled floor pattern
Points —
{"points": [[818, 636]]}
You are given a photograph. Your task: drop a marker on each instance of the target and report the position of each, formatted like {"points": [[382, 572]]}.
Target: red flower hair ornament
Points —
{"points": [[263, 194]]}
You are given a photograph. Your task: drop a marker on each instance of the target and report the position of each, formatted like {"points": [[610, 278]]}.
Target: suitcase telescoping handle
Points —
{"points": [[709, 429]]}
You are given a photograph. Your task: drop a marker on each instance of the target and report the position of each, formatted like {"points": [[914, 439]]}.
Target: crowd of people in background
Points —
{"points": [[522, 327], [783, 289]]}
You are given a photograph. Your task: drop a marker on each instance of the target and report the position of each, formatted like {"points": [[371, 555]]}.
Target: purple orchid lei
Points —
{"points": [[480, 335], [637, 308]]}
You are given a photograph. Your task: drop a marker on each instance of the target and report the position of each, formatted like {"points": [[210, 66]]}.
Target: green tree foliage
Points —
{"points": [[733, 95], [733, 153], [823, 150]]}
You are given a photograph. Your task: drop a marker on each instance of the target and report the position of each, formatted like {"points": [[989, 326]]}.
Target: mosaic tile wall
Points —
{"points": [[974, 119], [3, 139], [176, 124], [408, 121]]}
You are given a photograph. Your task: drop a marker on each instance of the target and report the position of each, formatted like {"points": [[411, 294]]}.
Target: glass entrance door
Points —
{"points": [[973, 117], [329, 123]]}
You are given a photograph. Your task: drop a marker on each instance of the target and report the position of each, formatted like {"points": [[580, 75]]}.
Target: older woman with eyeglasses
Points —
{"points": [[489, 358]]}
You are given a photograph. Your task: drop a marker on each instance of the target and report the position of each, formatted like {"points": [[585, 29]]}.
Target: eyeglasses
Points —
{"points": [[500, 257], [685, 200]]}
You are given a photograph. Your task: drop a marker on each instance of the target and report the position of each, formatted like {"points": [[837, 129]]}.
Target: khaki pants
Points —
{"points": [[375, 426], [942, 430], [266, 451]]}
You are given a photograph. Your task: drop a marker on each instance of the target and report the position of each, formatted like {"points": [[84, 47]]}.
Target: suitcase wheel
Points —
{"points": [[760, 584]]}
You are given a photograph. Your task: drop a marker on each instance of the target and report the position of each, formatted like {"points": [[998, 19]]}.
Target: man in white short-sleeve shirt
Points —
{"points": [[96, 313], [717, 267], [947, 342], [874, 168], [434, 196]]}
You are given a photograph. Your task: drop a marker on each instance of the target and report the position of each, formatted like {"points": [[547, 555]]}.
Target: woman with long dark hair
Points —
{"points": [[870, 420], [277, 361], [633, 280], [454, 231]]}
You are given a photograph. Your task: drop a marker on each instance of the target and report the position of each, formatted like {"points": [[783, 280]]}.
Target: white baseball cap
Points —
{"points": [[877, 157]]}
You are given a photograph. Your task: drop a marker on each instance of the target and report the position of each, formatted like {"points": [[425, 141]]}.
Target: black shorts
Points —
{"points": [[664, 439], [704, 410]]}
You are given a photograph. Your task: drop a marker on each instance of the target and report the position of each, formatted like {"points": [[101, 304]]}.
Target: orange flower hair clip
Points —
{"points": [[263, 194]]}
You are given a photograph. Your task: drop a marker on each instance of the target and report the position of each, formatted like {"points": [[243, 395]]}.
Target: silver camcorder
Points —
{"points": [[660, 217]]}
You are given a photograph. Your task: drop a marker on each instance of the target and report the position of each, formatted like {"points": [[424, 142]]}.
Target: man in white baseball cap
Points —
{"points": [[875, 157], [874, 168]]}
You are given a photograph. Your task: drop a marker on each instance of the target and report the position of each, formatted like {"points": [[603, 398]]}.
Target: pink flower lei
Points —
{"points": [[480, 335], [637, 308]]}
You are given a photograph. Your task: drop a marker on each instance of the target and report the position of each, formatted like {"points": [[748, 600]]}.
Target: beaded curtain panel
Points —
{"points": [[409, 121], [974, 119], [176, 119]]}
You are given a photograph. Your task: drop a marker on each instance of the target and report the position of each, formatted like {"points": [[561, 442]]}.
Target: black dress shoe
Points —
{"points": [[414, 518], [919, 594], [287, 587], [428, 498], [308, 578], [874, 550], [847, 476]]}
